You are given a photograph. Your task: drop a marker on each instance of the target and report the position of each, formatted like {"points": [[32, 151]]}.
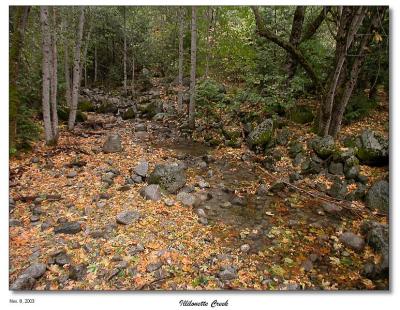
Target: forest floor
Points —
{"points": [[252, 240]]}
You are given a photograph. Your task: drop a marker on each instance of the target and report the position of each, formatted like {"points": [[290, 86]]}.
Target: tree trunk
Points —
{"points": [[17, 41], [95, 63], [210, 15], [67, 75], [133, 76], [53, 79], [340, 107], [180, 61], [46, 49], [350, 22], [76, 75], [125, 75], [84, 57], [263, 31], [193, 48], [295, 35]]}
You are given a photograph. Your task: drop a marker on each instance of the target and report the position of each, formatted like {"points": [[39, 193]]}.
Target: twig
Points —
{"points": [[340, 202]]}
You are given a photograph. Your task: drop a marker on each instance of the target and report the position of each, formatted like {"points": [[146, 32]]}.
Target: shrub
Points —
{"points": [[209, 91], [358, 107]]}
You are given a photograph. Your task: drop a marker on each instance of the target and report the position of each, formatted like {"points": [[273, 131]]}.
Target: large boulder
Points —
{"points": [[377, 237], [151, 192], [262, 135], [27, 279], [170, 177], [378, 197], [352, 241], [324, 147], [112, 144], [372, 149], [127, 217], [68, 228]]}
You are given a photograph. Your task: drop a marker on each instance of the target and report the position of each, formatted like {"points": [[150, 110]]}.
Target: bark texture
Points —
{"points": [[193, 49], [77, 69]]}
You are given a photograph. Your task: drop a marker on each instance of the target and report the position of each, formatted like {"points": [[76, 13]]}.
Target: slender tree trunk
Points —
{"points": [[84, 57], [54, 79], [95, 63], [349, 24], [76, 74], [125, 74], [133, 76], [340, 107], [192, 103], [46, 49], [263, 31], [67, 75], [210, 15], [295, 35], [17, 41], [180, 60]]}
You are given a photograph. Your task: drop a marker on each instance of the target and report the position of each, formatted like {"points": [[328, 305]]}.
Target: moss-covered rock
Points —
{"points": [[107, 107], [262, 135], [63, 115], [150, 109], [324, 147], [129, 114], [86, 106], [373, 149]]}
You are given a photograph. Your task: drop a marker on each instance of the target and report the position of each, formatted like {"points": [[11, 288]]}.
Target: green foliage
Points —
{"points": [[358, 107], [209, 91], [200, 281], [63, 114], [86, 106], [28, 129]]}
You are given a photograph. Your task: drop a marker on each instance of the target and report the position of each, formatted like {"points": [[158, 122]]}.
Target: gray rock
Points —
{"points": [[23, 283], [227, 273], [72, 174], [372, 149], [77, 272], [378, 197], [307, 265], [127, 217], [186, 199], [323, 147], [352, 172], [62, 259], [151, 192], [336, 168], [141, 169], [34, 218], [245, 248], [203, 184], [14, 223], [35, 271], [136, 249], [331, 208], [68, 228], [262, 135], [169, 202], [112, 144], [377, 237], [295, 148], [201, 213], [203, 220], [352, 241], [153, 266], [170, 177], [140, 127]]}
